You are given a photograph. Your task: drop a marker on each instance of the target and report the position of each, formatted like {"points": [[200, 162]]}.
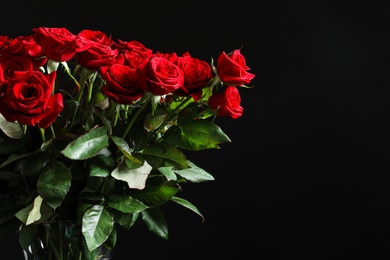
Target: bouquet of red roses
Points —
{"points": [[94, 130]]}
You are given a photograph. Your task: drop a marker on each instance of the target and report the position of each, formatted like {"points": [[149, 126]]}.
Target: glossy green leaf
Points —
{"points": [[125, 203], [97, 225], [11, 129], [153, 196], [187, 204], [202, 134], [155, 221], [126, 220], [125, 149], [194, 174], [100, 166], [88, 145], [54, 183], [168, 173], [163, 155]]}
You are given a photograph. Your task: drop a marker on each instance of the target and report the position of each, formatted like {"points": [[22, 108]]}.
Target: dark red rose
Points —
{"points": [[28, 99], [227, 103], [16, 63], [196, 75], [121, 84], [58, 44], [232, 69], [159, 76]]}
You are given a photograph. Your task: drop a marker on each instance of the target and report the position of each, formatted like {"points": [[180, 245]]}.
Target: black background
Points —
{"points": [[307, 173]]}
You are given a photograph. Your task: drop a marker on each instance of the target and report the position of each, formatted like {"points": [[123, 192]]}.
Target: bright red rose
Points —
{"points": [[96, 36], [232, 69], [28, 99], [160, 76], [227, 103], [58, 44], [96, 56], [132, 53], [121, 84], [196, 75], [134, 47]]}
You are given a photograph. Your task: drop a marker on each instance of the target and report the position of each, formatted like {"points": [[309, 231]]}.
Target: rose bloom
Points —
{"points": [[132, 53], [22, 47], [232, 69], [96, 56], [227, 102], [96, 36], [160, 76], [196, 75], [28, 99], [15, 63], [121, 84], [58, 44]]}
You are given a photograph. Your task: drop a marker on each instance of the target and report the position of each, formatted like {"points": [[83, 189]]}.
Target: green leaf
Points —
{"points": [[54, 183], [97, 225], [154, 119], [100, 166], [11, 129], [163, 155], [154, 196], [27, 235], [10, 146], [155, 221], [194, 174], [22, 214], [168, 173], [187, 204], [125, 149], [88, 145], [201, 134], [33, 164], [125, 203], [12, 158], [126, 220], [111, 241]]}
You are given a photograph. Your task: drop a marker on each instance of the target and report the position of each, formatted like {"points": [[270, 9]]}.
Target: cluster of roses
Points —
{"points": [[127, 68]]}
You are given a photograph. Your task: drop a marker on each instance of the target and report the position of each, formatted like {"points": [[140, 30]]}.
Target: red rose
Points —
{"points": [[96, 36], [232, 69], [15, 63], [131, 53], [227, 103], [160, 76], [21, 46], [121, 84], [2, 80], [134, 47], [58, 44], [28, 99], [96, 56], [196, 74]]}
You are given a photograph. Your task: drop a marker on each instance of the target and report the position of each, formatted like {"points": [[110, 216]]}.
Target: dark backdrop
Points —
{"points": [[307, 173]]}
